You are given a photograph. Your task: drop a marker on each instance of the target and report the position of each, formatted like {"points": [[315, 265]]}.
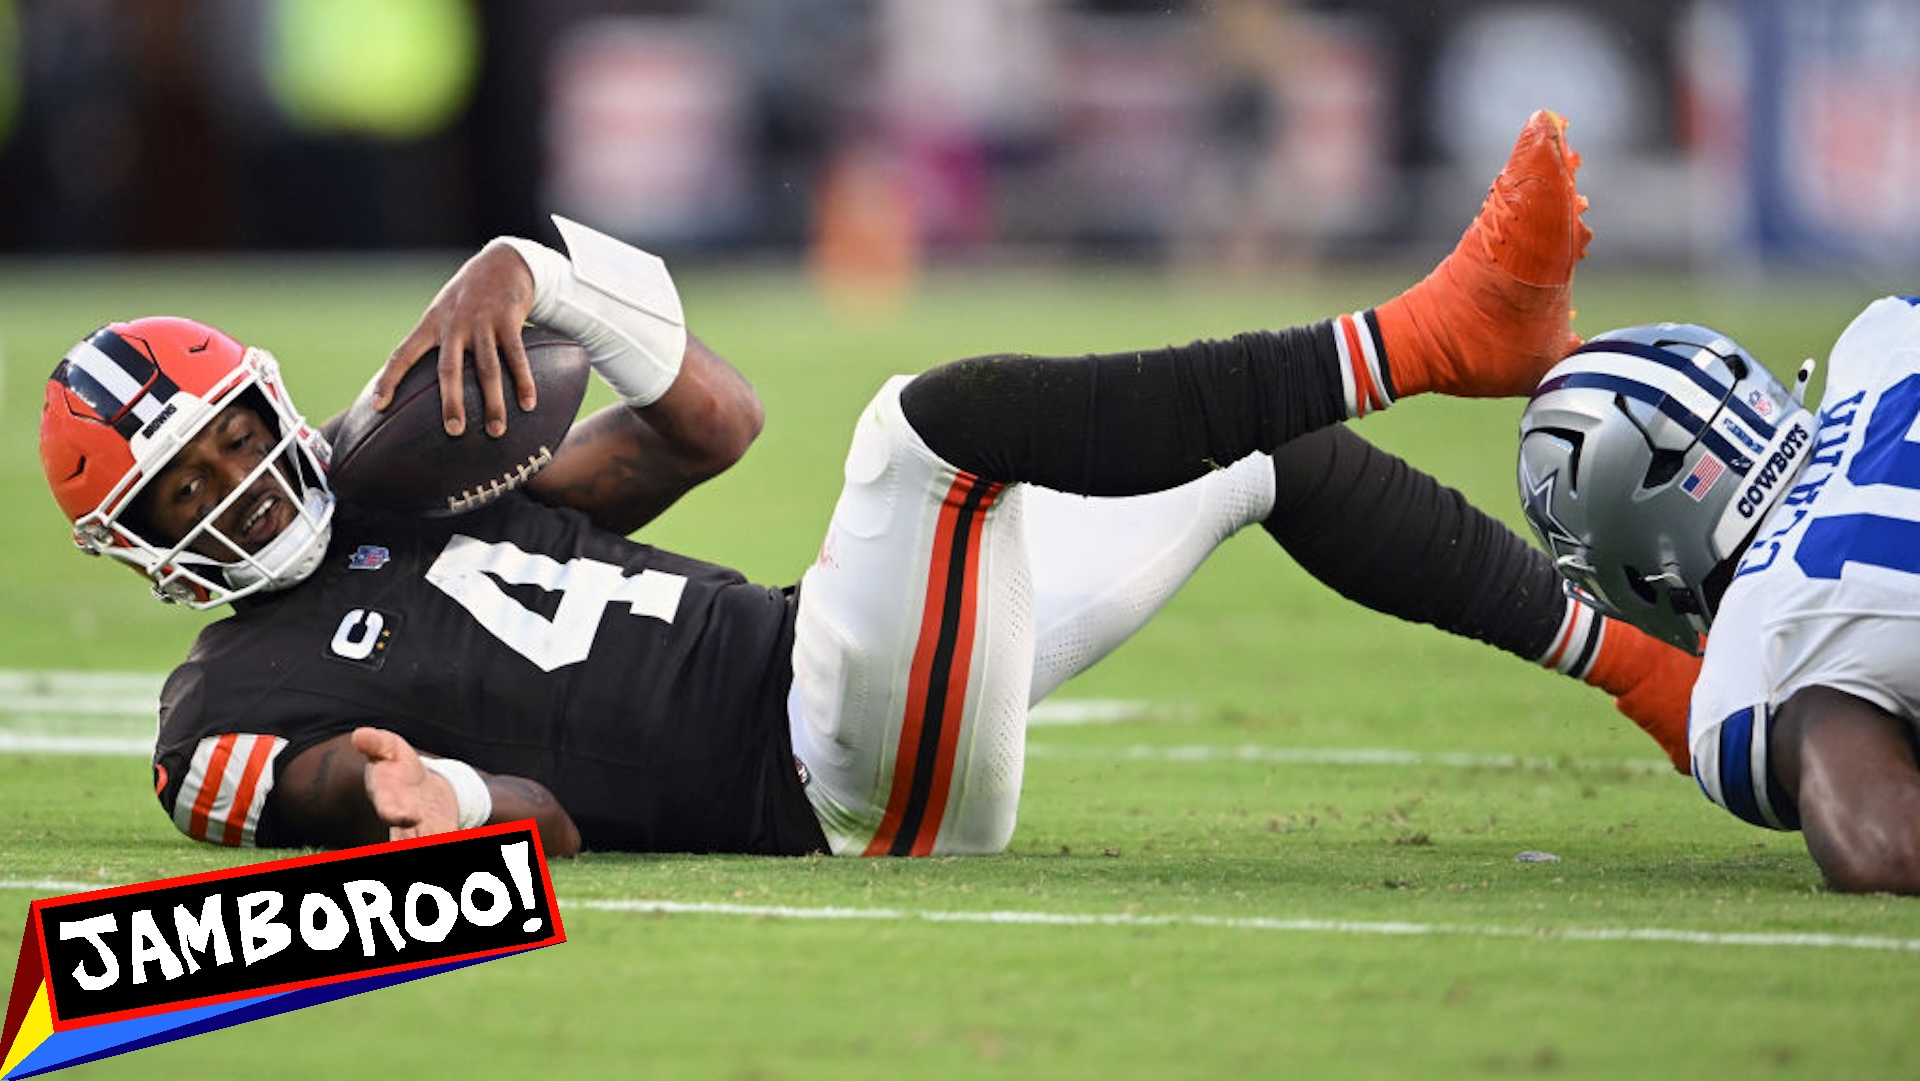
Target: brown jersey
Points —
{"points": [[646, 690]]}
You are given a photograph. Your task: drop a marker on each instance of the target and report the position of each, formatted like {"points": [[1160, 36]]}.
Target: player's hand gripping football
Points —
{"points": [[480, 311]]}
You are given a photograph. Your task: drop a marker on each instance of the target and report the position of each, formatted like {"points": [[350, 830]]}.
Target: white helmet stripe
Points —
{"points": [[1668, 359], [1640, 371], [1773, 473], [1668, 404], [118, 385], [105, 371]]}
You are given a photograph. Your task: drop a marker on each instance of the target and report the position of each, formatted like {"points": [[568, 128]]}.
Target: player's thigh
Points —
{"points": [[913, 652]]}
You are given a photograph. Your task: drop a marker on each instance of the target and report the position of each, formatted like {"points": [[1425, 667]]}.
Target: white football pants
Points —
{"points": [[942, 606]]}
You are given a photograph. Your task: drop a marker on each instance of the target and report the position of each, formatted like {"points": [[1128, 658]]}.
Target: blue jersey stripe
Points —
{"points": [[1738, 794], [1736, 767]]}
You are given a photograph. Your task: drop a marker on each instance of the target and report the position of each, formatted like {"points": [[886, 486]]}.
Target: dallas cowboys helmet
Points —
{"points": [[1648, 458]]}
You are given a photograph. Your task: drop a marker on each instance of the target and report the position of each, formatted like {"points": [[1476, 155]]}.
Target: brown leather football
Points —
{"points": [[402, 458]]}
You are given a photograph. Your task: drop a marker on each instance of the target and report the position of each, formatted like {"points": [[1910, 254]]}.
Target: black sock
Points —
{"points": [[1127, 423], [1384, 534]]}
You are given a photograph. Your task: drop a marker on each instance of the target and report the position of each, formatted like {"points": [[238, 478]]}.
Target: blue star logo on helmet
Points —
{"points": [[1539, 508]]}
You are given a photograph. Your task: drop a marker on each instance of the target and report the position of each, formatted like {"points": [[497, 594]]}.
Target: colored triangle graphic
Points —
{"points": [[29, 981], [34, 1026], [59, 1050]]}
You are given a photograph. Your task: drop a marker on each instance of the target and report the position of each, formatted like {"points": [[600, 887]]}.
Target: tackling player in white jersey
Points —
{"points": [[1683, 487]]}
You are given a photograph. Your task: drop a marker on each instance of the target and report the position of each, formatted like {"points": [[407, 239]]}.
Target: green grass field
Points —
{"points": [[1220, 887]]}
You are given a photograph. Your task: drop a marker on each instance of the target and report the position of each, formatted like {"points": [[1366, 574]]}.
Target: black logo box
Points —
{"points": [[494, 896]]}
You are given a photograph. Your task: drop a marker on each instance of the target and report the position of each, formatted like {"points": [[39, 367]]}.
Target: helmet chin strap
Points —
{"points": [[292, 556]]}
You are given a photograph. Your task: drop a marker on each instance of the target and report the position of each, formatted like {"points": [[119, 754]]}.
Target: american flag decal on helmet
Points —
{"points": [[1700, 481], [117, 381]]}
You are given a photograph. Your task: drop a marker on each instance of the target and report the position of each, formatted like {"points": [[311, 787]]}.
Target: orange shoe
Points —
{"points": [[1652, 683], [1494, 315]]}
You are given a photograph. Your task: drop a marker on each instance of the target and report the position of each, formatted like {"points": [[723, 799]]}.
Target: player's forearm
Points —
{"points": [[699, 428], [624, 465], [324, 799], [321, 800], [517, 798]]}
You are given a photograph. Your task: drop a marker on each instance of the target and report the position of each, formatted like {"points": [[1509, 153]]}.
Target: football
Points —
{"points": [[402, 458]]}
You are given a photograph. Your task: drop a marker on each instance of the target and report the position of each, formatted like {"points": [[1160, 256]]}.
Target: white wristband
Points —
{"points": [[614, 299], [469, 789]]}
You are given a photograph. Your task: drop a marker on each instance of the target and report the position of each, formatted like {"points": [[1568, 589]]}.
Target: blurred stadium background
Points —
{"points": [[879, 136]]}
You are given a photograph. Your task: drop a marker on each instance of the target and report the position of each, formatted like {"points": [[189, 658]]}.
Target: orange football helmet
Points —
{"points": [[124, 401]]}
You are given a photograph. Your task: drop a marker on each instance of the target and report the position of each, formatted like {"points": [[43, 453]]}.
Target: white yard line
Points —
{"points": [[81, 746], [1260, 923], [78, 713], [15, 682], [1334, 756], [133, 697], [1751, 939], [112, 714], [1073, 712]]}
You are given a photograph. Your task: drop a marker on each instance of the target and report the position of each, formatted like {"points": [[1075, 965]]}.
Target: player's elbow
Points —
{"points": [[744, 420], [1866, 853], [559, 837], [516, 798], [727, 427], [710, 416], [1892, 869]]}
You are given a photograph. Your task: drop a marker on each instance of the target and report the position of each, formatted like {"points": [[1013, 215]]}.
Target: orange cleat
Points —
{"points": [[1494, 315]]}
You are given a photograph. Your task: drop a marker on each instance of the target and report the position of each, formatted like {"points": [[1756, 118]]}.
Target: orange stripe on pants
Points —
{"points": [[937, 683]]}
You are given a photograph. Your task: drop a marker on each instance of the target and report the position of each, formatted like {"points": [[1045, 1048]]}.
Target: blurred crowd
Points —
{"points": [[873, 132]]}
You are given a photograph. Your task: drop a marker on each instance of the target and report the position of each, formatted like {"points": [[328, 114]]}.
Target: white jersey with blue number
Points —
{"points": [[1829, 592]]}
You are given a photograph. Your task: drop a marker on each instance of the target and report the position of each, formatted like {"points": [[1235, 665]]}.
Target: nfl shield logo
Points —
{"points": [[367, 557]]}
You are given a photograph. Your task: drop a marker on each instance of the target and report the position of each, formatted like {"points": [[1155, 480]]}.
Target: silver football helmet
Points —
{"points": [[1648, 458]]}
